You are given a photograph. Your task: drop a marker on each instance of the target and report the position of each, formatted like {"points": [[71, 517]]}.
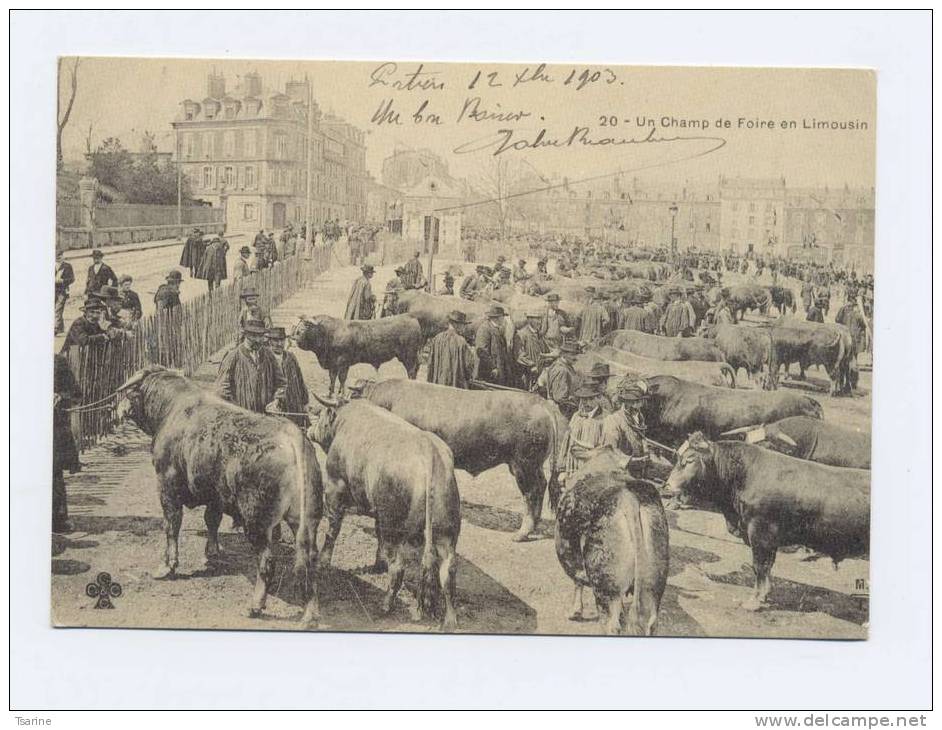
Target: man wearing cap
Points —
{"points": [[495, 364], [451, 360], [561, 378], [242, 267], [111, 298], [99, 274], [361, 302], [251, 309], [168, 294], [130, 301], [412, 275], [530, 349], [249, 374], [449, 284], [296, 395], [520, 272], [624, 429], [599, 376], [585, 428], [554, 322], [86, 330], [816, 311], [593, 322], [65, 277], [473, 284]]}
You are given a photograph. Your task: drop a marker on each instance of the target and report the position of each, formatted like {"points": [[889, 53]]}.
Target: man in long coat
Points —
{"points": [[65, 277], [168, 294], [561, 379], [495, 363], [213, 268], [679, 319], [530, 349], [64, 452], [361, 302], [249, 374], [86, 330], [451, 359], [594, 320], [635, 317], [99, 274], [412, 276], [555, 323], [188, 257], [296, 395]]}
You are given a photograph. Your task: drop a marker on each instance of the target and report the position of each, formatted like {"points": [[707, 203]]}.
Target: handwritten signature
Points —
{"points": [[509, 140], [387, 74]]}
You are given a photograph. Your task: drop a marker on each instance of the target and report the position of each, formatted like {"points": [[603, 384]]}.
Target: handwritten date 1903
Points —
{"points": [[578, 78]]}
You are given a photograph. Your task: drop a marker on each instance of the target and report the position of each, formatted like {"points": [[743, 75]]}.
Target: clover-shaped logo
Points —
{"points": [[104, 589]]}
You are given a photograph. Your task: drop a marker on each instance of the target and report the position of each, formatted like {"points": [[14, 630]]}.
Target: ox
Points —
{"points": [[812, 440], [747, 348], [773, 500], [783, 299], [405, 479], [432, 312], [340, 344], [677, 407], [250, 466], [612, 535], [812, 343], [485, 429], [621, 362], [743, 298], [665, 348]]}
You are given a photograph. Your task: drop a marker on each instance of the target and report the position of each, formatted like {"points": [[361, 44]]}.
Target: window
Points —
{"points": [[281, 146], [250, 143], [228, 144], [752, 220], [207, 177], [248, 212], [708, 227], [272, 176], [230, 111], [250, 177], [189, 145], [752, 207], [208, 146], [229, 177]]}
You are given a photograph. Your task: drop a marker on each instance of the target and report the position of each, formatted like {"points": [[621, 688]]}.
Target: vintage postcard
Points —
{"points": [[488, 348]]}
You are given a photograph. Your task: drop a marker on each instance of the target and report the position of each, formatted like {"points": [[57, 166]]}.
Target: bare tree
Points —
{"points": [[88, 139], [63, 119], [503, 183]]}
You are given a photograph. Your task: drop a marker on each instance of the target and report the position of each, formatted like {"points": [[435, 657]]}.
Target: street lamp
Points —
{"points": [[673, 212]]}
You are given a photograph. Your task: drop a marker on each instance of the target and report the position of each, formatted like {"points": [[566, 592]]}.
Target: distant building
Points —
{"points": [[752, 211], [831, 224], [383, 204], [246, 151]]}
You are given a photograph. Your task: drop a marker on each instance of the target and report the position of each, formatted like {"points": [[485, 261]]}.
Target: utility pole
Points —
{"points": [[309, 231]]}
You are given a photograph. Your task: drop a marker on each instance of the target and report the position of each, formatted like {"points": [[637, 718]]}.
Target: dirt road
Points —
{"points": [[503, 587]]}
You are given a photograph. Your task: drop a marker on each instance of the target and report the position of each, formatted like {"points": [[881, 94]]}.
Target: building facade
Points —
{"points": [[752, 213], [246, 151]]}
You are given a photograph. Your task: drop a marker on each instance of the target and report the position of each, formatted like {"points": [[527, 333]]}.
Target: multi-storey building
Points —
{"points": [[246, 151], [831, 224], [752, 214]]}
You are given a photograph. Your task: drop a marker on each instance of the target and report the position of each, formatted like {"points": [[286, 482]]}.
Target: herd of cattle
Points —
{"points": [[764, 458]]}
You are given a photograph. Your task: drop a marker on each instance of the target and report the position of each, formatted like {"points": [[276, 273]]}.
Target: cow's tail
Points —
{"points": [[729, 374], [552, 460], [642, 615], [429, 581], [304, 541]]}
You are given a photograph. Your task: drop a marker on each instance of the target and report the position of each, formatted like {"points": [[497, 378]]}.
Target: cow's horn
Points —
{"points": [[132, 381], [329, 402], [784, 438], [743, 429], [754, 437]]}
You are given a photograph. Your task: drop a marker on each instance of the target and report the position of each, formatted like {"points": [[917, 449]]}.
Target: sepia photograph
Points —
{"points": [[488, 348]]}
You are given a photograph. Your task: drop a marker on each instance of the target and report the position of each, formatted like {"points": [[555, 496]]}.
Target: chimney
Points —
{"points": [[215, 86], [253, 84], [297, 90]]}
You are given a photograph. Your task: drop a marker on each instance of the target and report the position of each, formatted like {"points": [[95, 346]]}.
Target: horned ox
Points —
{"points": [[485, 429], [812, 440], [664, 348], [340, 344], [209, 452], [405, 479], [772, 500]]}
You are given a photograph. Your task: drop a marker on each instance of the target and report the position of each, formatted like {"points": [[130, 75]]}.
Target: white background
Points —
{"points": [[177, 669]]}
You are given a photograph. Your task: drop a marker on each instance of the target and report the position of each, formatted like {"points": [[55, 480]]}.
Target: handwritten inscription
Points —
{"points": [[473, 110], [418, 79]]}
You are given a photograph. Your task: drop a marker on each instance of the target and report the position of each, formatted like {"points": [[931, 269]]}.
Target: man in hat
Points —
{"points": [[555, 323], [399, 280], [495, 364], [242, 266], [130, 301], [816, 310], [721, 312], [679, 319], [541, 268], [168, 294], [634, 317], [624, 429], [251, 309], [474, 283], [86, 330], [66, 393], [560, 378], [500, 264], [412, 276], [451, 360], [530, 349], [296, 395], [214, 262], [249, 374], [449, 284], [65, 277], [593, 322], [585, 428], [99, 274], [361, 302], [599, 376], [188, 259], [110, 296]]}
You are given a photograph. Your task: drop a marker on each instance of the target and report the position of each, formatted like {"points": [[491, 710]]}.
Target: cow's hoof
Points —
{"points": [[386, 608], [576, 616], [450, 625], [163, 572], [255, 613], [521, 536]]}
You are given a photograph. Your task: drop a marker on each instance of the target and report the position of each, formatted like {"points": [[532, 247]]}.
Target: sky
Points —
{"points": [[596, 130]]}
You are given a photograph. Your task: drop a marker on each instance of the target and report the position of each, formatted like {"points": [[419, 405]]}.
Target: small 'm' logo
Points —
{"points": [[104, 589]]}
